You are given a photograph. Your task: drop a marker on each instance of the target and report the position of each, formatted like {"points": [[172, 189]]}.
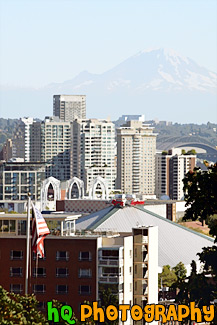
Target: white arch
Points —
{"points": [[44, 191], [69, 185], [104, 186]]}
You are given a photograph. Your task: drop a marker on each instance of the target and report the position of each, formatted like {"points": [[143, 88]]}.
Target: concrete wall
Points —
{"points": [[153, 265], [128, 274], [158, 209]]}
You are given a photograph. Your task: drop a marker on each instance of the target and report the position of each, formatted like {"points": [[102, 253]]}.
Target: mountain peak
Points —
{"points": [[168, 53]]}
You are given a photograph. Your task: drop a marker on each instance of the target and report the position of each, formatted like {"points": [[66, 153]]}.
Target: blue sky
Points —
{"points": [[44, 41]]}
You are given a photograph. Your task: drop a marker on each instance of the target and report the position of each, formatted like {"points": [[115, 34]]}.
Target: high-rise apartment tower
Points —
{"points": [[93, 151], [69, 107], [136, 146], [50, 143], [21, 139], [171, 168]]}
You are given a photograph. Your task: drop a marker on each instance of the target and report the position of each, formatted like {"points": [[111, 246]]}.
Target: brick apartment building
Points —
{"points": [[68, 273]]}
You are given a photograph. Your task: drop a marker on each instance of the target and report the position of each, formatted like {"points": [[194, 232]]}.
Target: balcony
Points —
{"points": [[108, 262], [145, 290], [145, 274], [110, 278]]}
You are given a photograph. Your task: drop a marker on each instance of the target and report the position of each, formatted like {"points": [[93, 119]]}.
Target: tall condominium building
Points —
{"points": [[50, 143], [170, 171], [21, 139], [136, 145], [93, 151], [69, 107]]}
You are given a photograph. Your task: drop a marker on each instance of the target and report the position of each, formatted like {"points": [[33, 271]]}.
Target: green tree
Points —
{"points": [[191, 152], [180, 272], [200, 193], [167, 277], [196, 289], [201, 199], [17, 309], [108, 298], [212, 223]]}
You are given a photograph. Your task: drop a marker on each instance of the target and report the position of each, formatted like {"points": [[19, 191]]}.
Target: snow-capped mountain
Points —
{"points": [[158, 83], [161, 69]]}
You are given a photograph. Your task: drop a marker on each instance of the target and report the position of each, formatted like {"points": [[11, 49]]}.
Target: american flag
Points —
{"points": [[39, 232]]}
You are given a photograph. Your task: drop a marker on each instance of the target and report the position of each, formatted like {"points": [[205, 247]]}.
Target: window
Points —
{"points": [[16, 255], [130, 270], [85, 273], [7, 226], [39, 272], [41, 259], [85, 256], [61, 289], [84, 290], [62, 272], [16, 288], [39, 288], [16, 271], [62, 256]]}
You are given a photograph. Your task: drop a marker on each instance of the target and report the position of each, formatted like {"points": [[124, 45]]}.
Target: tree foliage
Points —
{"points": [[17, 309], [108, 298], [167, 277], [196, 289], [201, 199], [200, 193], [180, 272]]}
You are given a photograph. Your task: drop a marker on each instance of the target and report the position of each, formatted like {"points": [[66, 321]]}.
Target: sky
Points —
{"points": [[43, 41]]}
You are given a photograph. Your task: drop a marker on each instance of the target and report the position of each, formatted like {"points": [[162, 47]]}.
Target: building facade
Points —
{"points": [[69, 107], [136, 146], [6, 152], [93, 151], [67, 273], [51, 144], [145, 260], [171, 168], [21, 139], [17, 179]]}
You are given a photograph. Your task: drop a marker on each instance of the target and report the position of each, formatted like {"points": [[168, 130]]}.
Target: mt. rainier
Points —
{"points": [[160, 69], [157, 82]]}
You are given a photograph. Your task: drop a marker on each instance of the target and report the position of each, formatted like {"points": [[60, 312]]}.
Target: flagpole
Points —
{"points": [[27, 242]]}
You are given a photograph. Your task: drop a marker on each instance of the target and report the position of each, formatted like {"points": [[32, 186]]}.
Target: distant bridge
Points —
{"points": [[202, 147]]}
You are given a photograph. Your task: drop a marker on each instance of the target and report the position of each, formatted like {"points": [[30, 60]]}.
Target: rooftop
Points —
{"points": [[176, 243]]}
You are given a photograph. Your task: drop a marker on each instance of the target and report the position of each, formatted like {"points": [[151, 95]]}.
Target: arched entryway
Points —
{"points": [[50, 192], [99, 189], [75, 189]]}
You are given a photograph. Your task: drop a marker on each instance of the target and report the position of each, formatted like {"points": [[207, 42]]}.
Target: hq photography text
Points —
{"points": [[150, 313]]}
